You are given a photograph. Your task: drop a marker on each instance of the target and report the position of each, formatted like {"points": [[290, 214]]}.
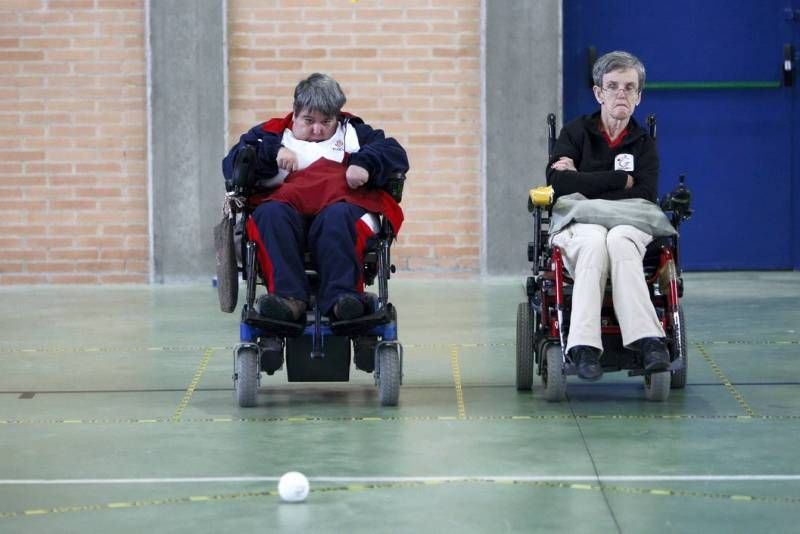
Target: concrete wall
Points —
{"points": [[523, 85], [187, 134]]}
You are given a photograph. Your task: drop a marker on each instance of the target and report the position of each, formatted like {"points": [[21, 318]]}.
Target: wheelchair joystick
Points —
{"points": [[679, 200]]}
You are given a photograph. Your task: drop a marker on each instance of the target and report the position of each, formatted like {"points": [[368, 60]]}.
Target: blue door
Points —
{"points": [[727, 117]]}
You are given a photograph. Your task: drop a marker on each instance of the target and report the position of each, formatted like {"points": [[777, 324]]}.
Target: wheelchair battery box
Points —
{"points": [[333, 366]]}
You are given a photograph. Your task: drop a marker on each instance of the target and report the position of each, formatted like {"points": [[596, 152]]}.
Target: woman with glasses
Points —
{"points": [[608, 155]]}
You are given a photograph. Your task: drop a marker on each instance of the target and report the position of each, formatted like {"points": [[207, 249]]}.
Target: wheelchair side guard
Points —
{"points": [[560, 307]]}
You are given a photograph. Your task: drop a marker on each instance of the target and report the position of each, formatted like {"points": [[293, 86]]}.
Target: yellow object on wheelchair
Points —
{"points": [[540, 196]]}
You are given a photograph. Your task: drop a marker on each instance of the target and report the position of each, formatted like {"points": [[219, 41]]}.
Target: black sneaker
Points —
{"points": [[280, 308], [347, 308], [587, 360], [655, 356], [364, 353]]}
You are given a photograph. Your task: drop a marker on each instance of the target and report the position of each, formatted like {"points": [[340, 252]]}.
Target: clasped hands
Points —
{"points": [[355, 175]]}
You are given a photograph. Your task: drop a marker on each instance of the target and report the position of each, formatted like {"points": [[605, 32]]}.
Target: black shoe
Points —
{"points": [[280, 308], [347, 308], [364, 353], [655, 356], [587, 360]]}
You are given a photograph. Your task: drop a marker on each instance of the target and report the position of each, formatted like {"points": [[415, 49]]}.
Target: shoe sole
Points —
{"points": [[591, 378]]}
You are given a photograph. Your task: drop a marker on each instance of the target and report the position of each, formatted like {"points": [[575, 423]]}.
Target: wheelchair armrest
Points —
{"points": [[394, 185], [242, 179]]}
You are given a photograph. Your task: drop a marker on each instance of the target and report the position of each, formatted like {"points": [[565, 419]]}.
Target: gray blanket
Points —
{"points": [[636, 212]]}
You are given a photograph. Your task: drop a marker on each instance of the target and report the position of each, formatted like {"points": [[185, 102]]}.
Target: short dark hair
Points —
{"points": [[617, 60], [319, 92]]}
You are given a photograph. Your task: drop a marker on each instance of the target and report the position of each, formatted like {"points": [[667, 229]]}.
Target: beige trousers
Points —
{"points": [[589, 252]]}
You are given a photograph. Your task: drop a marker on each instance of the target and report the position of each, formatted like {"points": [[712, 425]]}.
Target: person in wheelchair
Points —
{"points": [[319, 175], [608, 155]]}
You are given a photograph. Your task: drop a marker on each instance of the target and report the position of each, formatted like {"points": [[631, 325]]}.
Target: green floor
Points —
{"points": [[117, 415]]}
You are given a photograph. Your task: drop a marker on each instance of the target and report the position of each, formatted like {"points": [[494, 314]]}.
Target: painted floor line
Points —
{"points": [[477, 478]]}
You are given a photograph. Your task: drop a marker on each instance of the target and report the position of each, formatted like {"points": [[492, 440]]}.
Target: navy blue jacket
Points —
{"points": [[381, 156]]}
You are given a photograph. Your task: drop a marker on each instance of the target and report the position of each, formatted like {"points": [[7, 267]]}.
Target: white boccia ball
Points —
{"points": [[293, 487]]}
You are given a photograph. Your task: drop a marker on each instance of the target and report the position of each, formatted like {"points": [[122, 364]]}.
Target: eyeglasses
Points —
{"points": [[629, 90]]}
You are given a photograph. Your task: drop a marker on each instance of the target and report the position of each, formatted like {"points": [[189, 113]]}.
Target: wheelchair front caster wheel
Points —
{"points": [[247, 375], [656, 386], [388, 375], [553, 377]]}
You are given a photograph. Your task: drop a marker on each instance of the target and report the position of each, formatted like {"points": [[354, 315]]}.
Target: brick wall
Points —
{"points": [[411, 68], [73, 168], [73, 172]]}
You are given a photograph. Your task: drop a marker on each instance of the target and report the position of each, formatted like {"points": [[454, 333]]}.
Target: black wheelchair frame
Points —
{"points": [[543, 320], [316, 348]]}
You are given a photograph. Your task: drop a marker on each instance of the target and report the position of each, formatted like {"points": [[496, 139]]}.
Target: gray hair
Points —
{"points": [[617, 60], [319, 92]]}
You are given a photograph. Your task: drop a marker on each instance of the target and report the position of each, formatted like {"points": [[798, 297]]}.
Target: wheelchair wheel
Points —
{"points": [[553, 377], [227, 271], [388, 375], [656, 386], [678, 338], [245, 380], [525, 328]]}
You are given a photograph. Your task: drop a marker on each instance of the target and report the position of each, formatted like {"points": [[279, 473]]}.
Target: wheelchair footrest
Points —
{"points": [[362, 323], [273, 326], [674, 366]]}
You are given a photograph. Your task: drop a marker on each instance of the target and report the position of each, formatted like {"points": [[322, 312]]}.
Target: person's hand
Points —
{"points": [[629, 183], [356, 176], [564, 164], [287, 160]]}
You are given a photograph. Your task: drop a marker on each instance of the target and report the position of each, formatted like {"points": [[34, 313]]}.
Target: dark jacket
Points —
{"points": [[582, 141], [381, 156]]}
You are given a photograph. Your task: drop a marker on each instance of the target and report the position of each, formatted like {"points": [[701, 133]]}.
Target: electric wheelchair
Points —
{"points": [[543, 319], [316, 348]]}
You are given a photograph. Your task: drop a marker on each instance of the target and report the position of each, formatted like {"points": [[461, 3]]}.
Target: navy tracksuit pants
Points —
{"points": [[334, 237]]}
